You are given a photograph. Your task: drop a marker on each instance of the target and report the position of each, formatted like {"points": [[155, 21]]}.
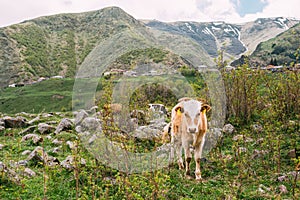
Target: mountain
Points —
{"points": [[58, 45], [280, 50], [233, 39]]}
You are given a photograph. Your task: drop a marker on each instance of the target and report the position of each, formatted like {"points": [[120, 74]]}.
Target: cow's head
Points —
{"points": [[193, 115]]}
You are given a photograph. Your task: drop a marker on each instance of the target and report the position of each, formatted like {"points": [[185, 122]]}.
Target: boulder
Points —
{"points": [[228, 129], [69, 163], [29, 172], [15, 122], [10, 173], [64, 124], [30, 129], [44, 128], [91, 124], [35, 138], [79, 116]]}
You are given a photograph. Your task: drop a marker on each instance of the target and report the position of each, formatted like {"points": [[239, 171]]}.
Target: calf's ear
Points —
{"points": [[205, 108], [179, 110]]}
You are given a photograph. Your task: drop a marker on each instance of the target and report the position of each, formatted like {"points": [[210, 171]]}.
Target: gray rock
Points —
{"points": [[242, 138], [29, 172], [44, 128], [30, 129], [15, 122], [35, 138], [34, 120], [282, 178], [38, 154], [26, 152], [10, 173], [2, 128], [56, 150], [68, 163], [258, 153], [228, 129], [64, 124], [57, 142], [70, 144], [257, 128], [1, 146], [79, 116], [91, 124], [282, 189]]}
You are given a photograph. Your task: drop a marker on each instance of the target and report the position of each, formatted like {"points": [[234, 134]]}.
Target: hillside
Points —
{"points": [[57, 45], [233, 39], [282, 48]]}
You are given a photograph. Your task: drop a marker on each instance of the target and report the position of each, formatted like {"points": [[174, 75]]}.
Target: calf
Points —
{"points": [[189, 126]]}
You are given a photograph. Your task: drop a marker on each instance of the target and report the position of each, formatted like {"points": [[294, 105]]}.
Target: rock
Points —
{"points": [[35, 138], [26, 152], [79, 116], [10, 173], [282, 178], [57, 142], [282, 189], [65, 124], [92, 110], [228, 129], [70, 144], [47, 115], [259, 141], [2, 123], [68, 163], [91, 124], [28, 172], [257, 128], [258, 154], [22, 163], [38, 154], [15, 122], [292, 153], [242, 150], [1, 146], [2, 128], [242, 138], [45, 128], [30, 129], [56, 150], [36, 119]]}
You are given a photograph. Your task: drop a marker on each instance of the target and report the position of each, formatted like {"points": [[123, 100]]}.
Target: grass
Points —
{"points": [[52, 95]]}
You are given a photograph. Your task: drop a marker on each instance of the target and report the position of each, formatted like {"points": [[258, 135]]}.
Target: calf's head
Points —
{"points": [[193, 115]]}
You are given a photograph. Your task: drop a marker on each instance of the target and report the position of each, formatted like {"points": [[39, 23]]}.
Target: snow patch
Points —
{"points": [[281, 22], [189, 27]]}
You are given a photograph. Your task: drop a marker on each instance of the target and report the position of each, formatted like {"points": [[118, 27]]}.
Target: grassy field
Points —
{"points": [[250, 163], [52, 95]]}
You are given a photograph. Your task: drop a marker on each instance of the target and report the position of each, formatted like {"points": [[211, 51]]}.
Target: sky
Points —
{"points": [[234, 11]]}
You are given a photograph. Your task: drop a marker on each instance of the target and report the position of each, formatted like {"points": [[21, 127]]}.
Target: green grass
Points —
{"points": [[48, 96]]}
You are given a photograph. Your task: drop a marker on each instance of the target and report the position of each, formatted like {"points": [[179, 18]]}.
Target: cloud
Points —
{"points": [[15, 11]]}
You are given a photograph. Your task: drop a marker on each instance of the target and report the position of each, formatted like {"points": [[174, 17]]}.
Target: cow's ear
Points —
{"points": [[205, 108], [179, 110]]}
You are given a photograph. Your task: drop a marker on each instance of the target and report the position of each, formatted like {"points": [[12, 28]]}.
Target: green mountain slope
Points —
{"points": [[282, 49], [56, 45]]}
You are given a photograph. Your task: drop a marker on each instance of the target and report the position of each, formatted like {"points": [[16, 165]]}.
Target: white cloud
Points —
{"points": [[15, 11]]}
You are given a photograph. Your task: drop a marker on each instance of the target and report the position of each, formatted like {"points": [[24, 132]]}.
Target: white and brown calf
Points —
{"points": [[189, 126]]}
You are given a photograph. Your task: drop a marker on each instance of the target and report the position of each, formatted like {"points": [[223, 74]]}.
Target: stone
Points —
{"points": [[38, 154], [2, 128], [282, 189], [258, 153], [44, 128], [34, 120], [29, 172], [68, 163], [64, 124], [10, 173], [70, 144], [292, 153], [91, 124], [257, 128], [228, 129], [2, 146], [79, 116], [26, 152], [15, 122], [35, 138], [57, 142], [282, 178], [29, 129]]}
